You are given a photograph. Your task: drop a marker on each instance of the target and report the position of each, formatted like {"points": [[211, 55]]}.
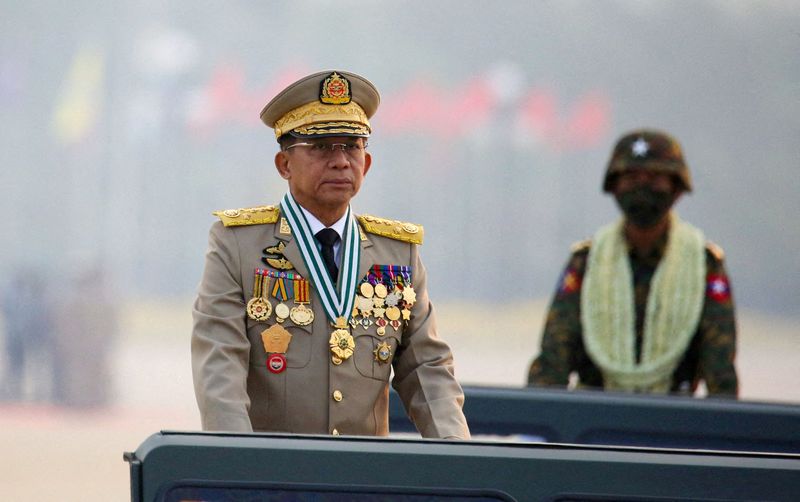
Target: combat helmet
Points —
{"points": [[648, 149]]}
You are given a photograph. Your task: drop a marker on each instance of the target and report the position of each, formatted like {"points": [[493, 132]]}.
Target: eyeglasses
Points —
{"points": [[324, 150]]}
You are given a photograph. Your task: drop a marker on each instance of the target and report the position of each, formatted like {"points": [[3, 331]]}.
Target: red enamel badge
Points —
{"points": [[276, 363], [717, 288], [570, 282]]}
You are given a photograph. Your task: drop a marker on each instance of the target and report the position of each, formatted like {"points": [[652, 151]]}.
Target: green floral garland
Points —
{"points": [[673, 308]]}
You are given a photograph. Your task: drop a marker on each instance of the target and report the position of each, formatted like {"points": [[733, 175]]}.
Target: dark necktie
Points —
{"points": [[328, 237]]}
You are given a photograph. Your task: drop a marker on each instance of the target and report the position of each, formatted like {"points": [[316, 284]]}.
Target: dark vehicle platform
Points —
{"points": [[181, 466]]}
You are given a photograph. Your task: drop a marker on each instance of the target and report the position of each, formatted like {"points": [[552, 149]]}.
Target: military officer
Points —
{"points": [[645, 305], [305, 309]]}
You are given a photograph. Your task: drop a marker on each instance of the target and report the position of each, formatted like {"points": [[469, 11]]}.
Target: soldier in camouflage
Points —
{"points": [[645, 305]]}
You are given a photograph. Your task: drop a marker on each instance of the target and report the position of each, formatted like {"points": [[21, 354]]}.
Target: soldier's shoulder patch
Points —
{"points": [[579, 246], [718, 288], [715, 250], [393, 229], [569, 282], [258, 215]]}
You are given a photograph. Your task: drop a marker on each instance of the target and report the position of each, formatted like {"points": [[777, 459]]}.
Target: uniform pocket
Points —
{"points": [[373, 354]]}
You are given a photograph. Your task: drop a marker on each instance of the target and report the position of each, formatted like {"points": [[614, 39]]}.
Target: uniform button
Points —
{"points": [[337, 395], [335, 432]]}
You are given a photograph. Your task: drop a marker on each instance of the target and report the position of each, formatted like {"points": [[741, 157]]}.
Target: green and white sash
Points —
{"points": [[337, 302]]}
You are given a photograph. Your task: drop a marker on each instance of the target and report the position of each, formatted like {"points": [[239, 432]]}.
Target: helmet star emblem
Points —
{"points": [[640, 147]]}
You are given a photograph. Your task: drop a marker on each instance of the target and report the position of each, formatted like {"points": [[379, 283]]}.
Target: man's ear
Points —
{"points": [[282, 164], [367, 162]]}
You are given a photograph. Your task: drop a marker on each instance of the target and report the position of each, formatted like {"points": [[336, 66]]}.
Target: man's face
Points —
{"points": [[645, 196], [323, 178]]}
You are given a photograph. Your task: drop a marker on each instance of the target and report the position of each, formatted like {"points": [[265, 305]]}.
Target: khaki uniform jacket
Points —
{"points": [[236, 392]]}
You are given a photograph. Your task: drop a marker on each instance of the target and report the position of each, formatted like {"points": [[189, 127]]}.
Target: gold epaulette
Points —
{"points": [[715, 250], [248, 216], [580, 245], [393, 229]]}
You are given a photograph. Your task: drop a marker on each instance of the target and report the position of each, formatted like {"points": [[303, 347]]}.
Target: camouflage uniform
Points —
{"points": [[709, 357], [711, 352]]}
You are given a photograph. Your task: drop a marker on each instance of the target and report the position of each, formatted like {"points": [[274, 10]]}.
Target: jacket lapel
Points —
{"points": [[292, 250], [367, 258]]}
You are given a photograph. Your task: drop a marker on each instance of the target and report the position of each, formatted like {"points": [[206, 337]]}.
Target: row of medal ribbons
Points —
{"points": [[283, 286], [385, 297]]}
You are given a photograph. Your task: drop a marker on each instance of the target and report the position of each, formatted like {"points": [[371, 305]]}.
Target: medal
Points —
{"points": [[409, 295], [364, 305], [383, 353], [281, 312], [393, 296], [279, 292], [341, 342], [259, 308], [276, 363], [301, 314], [381, 291], [392, 299], [353, 321], [393, 313], [276, 339], [366, 289], [276, 342]]}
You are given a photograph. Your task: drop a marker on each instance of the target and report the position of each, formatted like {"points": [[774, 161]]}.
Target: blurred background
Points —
{"points": [[125, 123]]}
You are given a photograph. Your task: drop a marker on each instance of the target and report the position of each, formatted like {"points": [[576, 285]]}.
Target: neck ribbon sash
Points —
{"points": [[338, 303]]}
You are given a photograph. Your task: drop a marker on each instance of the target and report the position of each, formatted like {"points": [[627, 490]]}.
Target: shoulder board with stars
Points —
{"points": [[393, 229], [715, 251], [579, 246], [248, 216]]}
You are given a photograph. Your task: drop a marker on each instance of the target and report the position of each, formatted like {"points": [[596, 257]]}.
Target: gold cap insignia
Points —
{"points": [[326, 103], [335, 90]]}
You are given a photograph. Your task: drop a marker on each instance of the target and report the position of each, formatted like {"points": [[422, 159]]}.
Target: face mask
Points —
{"points": [[643, 206]]}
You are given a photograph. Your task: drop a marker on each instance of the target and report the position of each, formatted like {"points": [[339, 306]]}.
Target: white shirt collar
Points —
{"points": [[317, 225]]}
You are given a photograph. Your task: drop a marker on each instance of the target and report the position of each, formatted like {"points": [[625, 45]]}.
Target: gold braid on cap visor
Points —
{"points": [[319, 118]]}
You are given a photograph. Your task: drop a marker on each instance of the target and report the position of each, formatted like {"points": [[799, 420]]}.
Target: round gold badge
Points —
{"points": [[381, 291], [301, 315], [393, 313], [281, 312], [258, 309], [366, 289]]}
